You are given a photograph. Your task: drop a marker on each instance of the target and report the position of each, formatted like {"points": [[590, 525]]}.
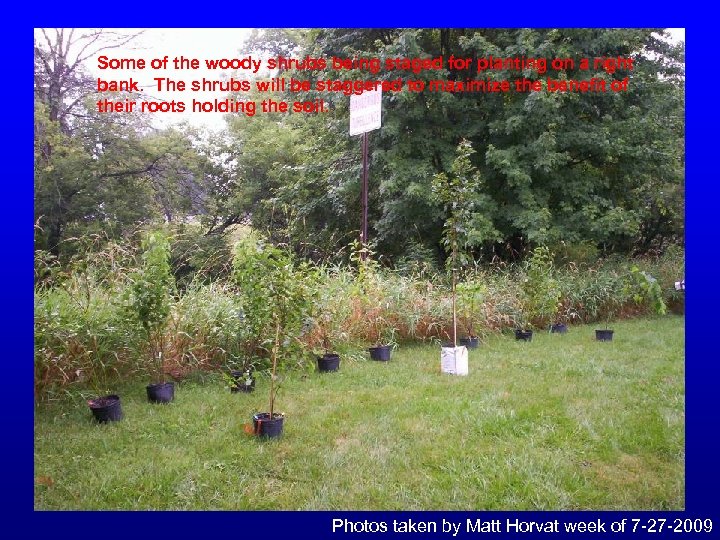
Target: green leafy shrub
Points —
{"points": [[541, 288], [669, 268], [471, 294], [275, 295], [457, 192], [646, 290], [152, 287]]}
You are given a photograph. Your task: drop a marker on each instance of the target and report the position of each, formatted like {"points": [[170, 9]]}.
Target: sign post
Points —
{"points": [[364, 231], [365, 113]]}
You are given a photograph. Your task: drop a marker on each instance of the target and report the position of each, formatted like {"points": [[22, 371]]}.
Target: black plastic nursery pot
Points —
{"points": [[559, 328], [161, 392], [604, 335], [523, 335], [380, 353], [106, 408], [328, 362], [242, 383], [270, 428], [471, 342]]}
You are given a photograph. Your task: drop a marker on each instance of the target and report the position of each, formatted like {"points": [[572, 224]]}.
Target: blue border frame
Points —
{"points": [[702, 471]]}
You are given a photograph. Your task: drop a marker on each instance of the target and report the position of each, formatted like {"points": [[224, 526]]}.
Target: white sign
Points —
{"points": [[365, 111], [454, 360]]}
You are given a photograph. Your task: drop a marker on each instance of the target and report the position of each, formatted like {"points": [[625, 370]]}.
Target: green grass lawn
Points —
{"points": [[563, 422]]}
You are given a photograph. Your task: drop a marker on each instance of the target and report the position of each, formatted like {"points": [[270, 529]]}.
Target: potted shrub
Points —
{"points": [[270, 424], [329, 326], [541, 292], [242, 380], [470, 297], [327, 320], [368, 302], [385, 343], [151, 288], [106, 408], [611, 307], [600, 301], [560, 326], [523, 332], [519, 311], [457, 193], [641, 288], [276, 301]]}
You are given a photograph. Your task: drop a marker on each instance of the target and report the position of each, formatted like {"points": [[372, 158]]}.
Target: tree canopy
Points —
{"points": [[604, 169]]}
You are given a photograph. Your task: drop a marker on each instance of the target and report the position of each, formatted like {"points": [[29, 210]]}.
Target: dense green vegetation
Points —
{"points": [[84, 334], [563, 422], [588, 171]]}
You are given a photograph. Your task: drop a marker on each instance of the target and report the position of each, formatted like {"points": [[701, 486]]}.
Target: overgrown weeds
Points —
{"points": [[83, 336]]}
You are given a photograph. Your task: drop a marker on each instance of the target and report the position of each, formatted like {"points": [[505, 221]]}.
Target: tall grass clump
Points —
{"points": [[503, 300], [370, 304], [610, 290], [334, 313], [207, 329], [84, 334]]}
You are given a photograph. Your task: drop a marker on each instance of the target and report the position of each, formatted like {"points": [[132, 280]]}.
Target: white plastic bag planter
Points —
{"points": [[454, 360]]}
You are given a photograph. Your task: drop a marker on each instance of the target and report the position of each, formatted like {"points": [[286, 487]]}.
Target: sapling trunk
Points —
{"points": [[454, 285], [471, 330], [276, 346], [454, 311], [161, 365], [157, 346]]}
